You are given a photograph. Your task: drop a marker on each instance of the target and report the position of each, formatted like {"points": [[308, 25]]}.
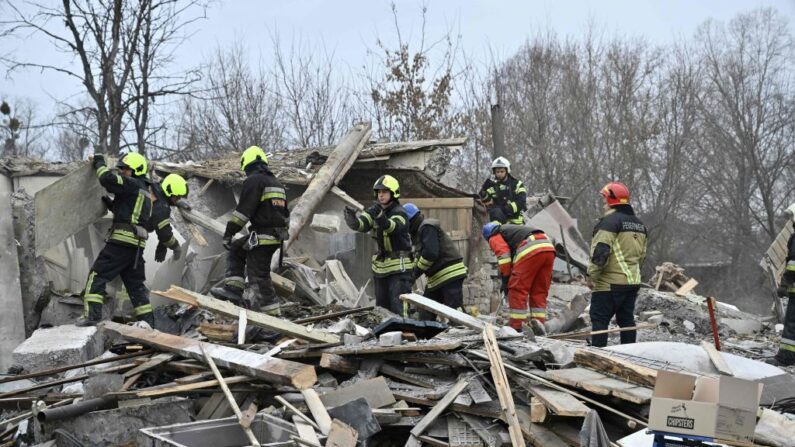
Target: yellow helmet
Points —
{"points": [[389, 183], [174, 185], [134, 161], [251, 155]]}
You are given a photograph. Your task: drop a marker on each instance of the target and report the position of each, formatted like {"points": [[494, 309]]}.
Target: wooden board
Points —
{"points": [[373, 347], [617, 367], [717, 359], [305, 431], [501, 384], [173, 389], [55, 206], [341, 435], [451, 314], [338, 363], [318, 410], [269, 369], [441, 406], [600, 384], [687, 287], [255, 318], [562, 404], [375, 391]]}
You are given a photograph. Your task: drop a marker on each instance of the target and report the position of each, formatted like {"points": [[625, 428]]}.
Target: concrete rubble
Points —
{"points": [[333, 369]]}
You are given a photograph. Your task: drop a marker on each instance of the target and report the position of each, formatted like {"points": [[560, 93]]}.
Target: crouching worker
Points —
{"points": [[123, 252], [263, 206], [525, 257], [438, 259], [386, 220]]}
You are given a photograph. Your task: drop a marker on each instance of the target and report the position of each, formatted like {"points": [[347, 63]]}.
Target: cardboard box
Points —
{"points": [[723, 408]]}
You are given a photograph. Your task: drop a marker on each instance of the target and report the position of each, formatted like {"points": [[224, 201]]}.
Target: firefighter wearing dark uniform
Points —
{"points": [[386, 220], [786, 348], [504, 196], [167, 194], [618, 250], [123, 252], [525, 257], [438, 259], [263, 206]]}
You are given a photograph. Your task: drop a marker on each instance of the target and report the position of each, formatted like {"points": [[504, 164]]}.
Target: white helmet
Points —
{"points": [[501, 162]]}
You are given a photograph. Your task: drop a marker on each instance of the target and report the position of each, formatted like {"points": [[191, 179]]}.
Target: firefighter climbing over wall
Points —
{"points": [[387, 221], [504, 195], [123, 253]]}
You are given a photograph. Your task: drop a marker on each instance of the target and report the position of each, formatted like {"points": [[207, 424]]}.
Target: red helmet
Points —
{"points": [[616, 193]]}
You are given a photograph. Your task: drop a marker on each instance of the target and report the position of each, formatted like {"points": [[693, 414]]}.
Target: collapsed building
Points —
{"points": [[340, 372]]}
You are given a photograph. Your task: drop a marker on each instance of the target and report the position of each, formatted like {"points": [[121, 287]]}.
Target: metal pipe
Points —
{"points": [[77, 409]]}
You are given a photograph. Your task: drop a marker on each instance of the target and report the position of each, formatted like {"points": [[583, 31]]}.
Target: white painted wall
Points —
{"points": [[12, 317]]}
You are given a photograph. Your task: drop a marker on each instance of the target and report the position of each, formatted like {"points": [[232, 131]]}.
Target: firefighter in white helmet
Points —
{"points": [[504, 195]]}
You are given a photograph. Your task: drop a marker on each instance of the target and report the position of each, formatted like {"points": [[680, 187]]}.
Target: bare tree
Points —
{"points": [[120, 46], [20, 134]]}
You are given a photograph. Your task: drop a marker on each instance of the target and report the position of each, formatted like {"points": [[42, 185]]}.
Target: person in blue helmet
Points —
{"points": [[438, 259]]}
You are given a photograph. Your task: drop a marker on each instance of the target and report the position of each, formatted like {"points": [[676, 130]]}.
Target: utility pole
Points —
{"points": [[497, 130]]}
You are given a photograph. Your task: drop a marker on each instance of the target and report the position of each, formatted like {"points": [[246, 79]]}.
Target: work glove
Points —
{"points": [[781, 291], [350, 218], [507, 210], [227, 242], [98, 161], [375, 210], [108, 202], [160, 253], [177, 252], [182, 203]]}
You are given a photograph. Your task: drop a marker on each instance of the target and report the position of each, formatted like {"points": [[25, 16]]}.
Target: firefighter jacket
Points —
{"points": [[389, 228], [618, 249], [509, 198], [161, 218], [516, 242], [262, 205], [132, 206], [436, 254]]}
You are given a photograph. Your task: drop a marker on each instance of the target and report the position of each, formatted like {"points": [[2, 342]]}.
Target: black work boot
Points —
{"points": [[228, 292], [94, 316], [148, 319]]}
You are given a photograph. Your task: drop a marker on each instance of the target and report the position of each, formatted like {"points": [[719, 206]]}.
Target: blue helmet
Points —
{"points": [[489, 229], [411, 210]]}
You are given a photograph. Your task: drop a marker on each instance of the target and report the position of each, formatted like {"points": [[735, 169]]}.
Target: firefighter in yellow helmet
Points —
{"points": [[168, 193], [123, 253], [387, 221], [263, 207]]}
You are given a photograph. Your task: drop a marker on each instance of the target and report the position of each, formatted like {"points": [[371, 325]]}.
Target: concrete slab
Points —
{"points": [[59, 346], [120, 426], [325, 223], [12, 319], [742, 326]]}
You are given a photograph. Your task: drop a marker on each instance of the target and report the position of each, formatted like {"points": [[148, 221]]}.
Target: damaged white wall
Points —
{"points": [[12, 318]]}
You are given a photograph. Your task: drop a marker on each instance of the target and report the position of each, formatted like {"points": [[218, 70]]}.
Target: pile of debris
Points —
{"points": [[671, 277], [232, 376]]}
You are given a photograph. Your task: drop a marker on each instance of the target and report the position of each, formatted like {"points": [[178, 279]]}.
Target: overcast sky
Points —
{"points": [[350, 27]]}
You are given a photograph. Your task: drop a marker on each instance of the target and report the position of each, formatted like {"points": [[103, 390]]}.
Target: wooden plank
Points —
{"points": [[441, 406], [537, 434], [341, 435], [55, 206], [189, 387], [155, 361], [501, 384], [389, 370], [318, 410], [255, 318], [717, 359], [296, 412], [337, 164], [601, 360], [538, 411], [375, 391], [52, 372], [477, 392], [230, 398], [562, 404], [451, 314], [269, 369], [305, 430], [368, 348], [600, 384], [338, 363], [687, 287], [209, 407], [346, 198], [442, 202], [433, 441]]}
